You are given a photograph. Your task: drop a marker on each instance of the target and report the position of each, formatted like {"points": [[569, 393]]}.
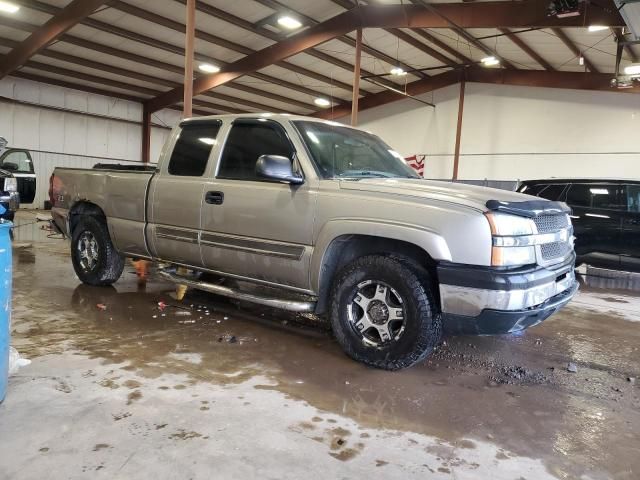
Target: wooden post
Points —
{"points": [[188, 58], [456, 158], [146, 134], [356, 79]]}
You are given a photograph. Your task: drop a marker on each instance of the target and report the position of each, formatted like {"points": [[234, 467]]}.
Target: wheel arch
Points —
{"points": [[83, 207], [340, 245]]}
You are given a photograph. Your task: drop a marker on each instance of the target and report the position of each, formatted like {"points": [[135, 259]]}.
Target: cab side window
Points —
{"points": [[633, 198], [18, 162], [605, 196], [247, 141], [192, 149]]}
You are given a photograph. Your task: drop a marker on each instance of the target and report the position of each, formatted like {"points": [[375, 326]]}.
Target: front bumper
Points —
{"points": [[11, 203], [485, 301]]}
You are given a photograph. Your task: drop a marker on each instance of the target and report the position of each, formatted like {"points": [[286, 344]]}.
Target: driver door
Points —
{"points": [[251, 227]]}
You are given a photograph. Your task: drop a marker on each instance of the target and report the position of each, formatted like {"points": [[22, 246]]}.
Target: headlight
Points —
{"points": [[10, 184], [507, 248]]}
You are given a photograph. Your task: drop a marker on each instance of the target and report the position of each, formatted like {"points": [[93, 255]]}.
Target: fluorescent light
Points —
{"points": [[596, 215], [289, 22], [398, 71], [208, 141], [8, 7], [597, 28], [207, 67], [599, 191], [322, 102], [633, 69], [490, 61]]}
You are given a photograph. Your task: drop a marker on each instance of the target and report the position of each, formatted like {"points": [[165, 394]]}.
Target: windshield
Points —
{"points": [[342, 152]]}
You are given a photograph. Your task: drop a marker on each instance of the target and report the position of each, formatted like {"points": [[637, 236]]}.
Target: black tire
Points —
{"points": [[408, 343], [106, 265]]}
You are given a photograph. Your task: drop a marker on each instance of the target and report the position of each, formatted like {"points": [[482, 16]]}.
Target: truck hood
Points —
{"points": [[458, 193]]}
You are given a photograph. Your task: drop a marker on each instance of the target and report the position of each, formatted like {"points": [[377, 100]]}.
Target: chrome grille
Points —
{"points": [[551, 223], [551, 251]]}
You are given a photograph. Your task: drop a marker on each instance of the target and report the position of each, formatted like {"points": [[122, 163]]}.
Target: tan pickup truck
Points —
{"points": [[318, 217]]}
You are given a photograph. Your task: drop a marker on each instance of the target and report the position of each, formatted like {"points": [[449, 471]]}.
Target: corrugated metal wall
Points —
{"points": [[78, 137]]}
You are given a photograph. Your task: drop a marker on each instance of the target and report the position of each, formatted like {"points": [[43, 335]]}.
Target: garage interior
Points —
{"points": [[127, 381]]}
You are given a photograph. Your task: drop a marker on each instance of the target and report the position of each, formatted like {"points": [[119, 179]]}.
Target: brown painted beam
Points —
{"points": [[442, 45], [189, 37], [356, 79], [388, 96], [66, 18], [574, 49], [528, 78], [265, 32], [167, 47], [527, 49], [139, 76], [348, 5], [454, 25], [278, 6], [456, 155], [145, 153], [464, 15], [271, 55], [207, 37]]}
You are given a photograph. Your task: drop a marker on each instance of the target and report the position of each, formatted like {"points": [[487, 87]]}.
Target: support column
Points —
{"points": [[456, 158], [356, 79], [146, 134], [188, 58]]}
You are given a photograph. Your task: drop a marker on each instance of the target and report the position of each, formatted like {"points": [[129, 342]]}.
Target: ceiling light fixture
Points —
{"points": [[8, 7], [597, 28], [398, 72], [322, 102], [208, 68], [288, 22], [490, 61]]}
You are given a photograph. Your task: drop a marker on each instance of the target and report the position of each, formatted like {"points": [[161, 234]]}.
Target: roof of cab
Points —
{"points": [[266, 115]]}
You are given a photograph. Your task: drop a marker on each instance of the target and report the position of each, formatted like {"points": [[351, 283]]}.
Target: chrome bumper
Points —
{"points": [[12, 200], [469, 301]]}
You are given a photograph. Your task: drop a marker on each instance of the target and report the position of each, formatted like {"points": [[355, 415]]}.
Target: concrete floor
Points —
{"points": [[132, 392]]}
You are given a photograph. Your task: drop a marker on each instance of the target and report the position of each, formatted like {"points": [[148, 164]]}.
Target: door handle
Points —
{"points": [[214, 198]]}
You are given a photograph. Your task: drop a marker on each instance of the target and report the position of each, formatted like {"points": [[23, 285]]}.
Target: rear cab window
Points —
{"points": [[193, 147]]}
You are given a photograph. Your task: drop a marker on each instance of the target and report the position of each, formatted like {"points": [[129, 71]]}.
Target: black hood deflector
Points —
{"points": [[531, 208]]}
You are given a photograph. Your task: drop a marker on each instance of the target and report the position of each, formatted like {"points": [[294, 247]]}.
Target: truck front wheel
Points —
{"points": [[94, 257], [383, 312]]}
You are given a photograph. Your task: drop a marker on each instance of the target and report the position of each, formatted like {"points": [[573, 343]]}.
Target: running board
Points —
{"points": [[279, 303]]}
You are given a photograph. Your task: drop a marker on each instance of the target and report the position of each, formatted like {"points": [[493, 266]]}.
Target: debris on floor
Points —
{"points": [[572, 367], [16, 361], [101, 306]]}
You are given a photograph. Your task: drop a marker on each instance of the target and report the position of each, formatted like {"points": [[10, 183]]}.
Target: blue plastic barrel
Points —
{"points": [[5, 302]]}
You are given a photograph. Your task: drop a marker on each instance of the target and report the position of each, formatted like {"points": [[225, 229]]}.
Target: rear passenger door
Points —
{"points": [[175, 198], [252, 227], [597, 216]]}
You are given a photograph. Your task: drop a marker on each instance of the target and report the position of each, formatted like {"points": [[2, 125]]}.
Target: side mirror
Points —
{"points": [[278, 169]]}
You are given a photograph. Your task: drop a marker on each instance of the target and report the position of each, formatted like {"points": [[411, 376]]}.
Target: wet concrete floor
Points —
{"points": [[209, 389]]}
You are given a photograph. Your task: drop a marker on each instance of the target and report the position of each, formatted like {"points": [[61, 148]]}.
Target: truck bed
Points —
{"points": [[120, 191]]}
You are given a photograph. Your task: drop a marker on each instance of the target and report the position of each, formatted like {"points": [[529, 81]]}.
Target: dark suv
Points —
{"points": [[606, 217]]}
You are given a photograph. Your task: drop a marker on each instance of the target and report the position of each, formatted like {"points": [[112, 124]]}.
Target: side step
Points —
{"points": [[279, 303]]}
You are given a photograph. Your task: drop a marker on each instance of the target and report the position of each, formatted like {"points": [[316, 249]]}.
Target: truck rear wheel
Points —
{"points": [[383, 312], [94, 257]]}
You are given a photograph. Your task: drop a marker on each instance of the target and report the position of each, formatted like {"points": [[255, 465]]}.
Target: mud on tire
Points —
{"points": [[373, 290], [95, 260]]}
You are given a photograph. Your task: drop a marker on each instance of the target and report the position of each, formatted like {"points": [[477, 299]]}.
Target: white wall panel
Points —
{"points": [[69, 139], [514, 132]]}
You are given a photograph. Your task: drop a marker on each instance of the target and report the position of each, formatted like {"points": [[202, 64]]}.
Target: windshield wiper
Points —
{"points": [[364, 174]]}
